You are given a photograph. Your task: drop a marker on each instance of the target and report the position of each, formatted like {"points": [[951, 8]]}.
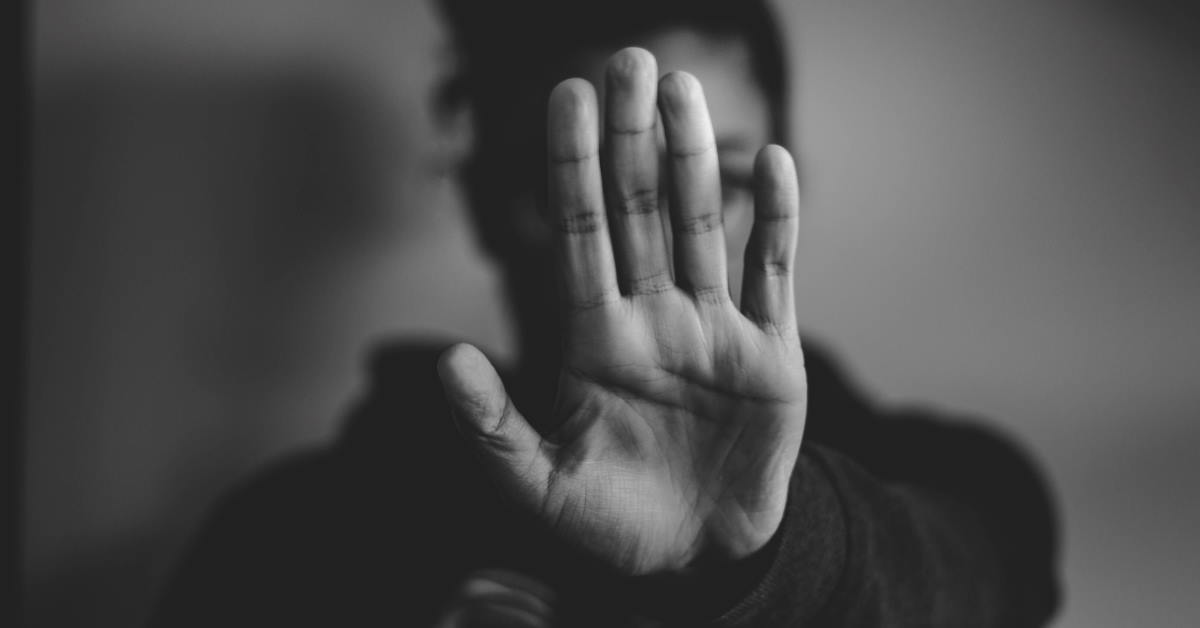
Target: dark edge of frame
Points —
{"points": [[15, 226]]}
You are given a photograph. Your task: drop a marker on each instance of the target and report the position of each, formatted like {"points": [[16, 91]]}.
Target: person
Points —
{"points": [[671, 452]]}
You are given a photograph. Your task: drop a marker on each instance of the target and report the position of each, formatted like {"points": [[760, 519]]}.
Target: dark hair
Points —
{"points": [[513, 52]]}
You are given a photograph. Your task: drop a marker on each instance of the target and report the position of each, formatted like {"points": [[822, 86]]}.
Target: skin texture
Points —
{"points": [[740, 117], [678, 415]]}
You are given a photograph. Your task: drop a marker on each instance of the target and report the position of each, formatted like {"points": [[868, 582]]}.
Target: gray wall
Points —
{"points": [[235, 199]]}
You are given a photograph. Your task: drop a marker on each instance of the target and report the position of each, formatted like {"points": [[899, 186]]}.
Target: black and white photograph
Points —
{"points": [[606, 314]]}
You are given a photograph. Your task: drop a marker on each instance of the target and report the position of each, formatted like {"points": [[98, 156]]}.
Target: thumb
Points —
{"points": [[486, 416]]}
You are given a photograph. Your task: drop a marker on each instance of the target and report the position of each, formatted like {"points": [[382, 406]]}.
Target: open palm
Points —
{"points": [[678, 416]]}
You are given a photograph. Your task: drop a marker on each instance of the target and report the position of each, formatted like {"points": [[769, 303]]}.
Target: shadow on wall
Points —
{"points": [[192, 231]]}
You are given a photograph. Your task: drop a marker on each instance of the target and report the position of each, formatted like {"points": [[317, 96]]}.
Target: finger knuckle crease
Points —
{"points": [[701, 223], [580, 223], [711, 294], [775, 218], [632, 130], [772, 268], [655, 283], [639, 201], [571, 158], [689, 152]]}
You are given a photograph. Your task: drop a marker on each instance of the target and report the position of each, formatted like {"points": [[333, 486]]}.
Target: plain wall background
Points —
{"points": [[235, 200]]}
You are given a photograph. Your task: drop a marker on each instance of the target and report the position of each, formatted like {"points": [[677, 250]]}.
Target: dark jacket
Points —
{"points": [[894, 518]]}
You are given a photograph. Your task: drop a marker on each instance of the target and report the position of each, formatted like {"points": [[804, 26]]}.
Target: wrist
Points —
{"points": [[707, 588]]}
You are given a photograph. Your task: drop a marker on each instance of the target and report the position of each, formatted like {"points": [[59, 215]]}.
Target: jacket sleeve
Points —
{"points": [[906, 519], [376, 528], [243, 567]]}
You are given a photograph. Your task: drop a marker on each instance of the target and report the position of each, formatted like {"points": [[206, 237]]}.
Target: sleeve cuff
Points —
{"points": [[804, 561]]}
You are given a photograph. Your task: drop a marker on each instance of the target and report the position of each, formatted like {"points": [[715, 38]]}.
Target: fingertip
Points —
{"points": [[775, 176], [450, 359], [679, 89], [460, 368], [572, 120], [573, 96], [631, 66], [686, 123], [774, 161]]}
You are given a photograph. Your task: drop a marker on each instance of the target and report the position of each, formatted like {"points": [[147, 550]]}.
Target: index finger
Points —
{"points": [[577, 197]]}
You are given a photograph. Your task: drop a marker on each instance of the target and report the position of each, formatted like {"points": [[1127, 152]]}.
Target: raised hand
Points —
{"points": [[678, 416]]}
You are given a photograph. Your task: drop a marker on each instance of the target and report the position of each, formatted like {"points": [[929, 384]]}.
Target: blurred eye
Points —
{"points": [[736, 185]]}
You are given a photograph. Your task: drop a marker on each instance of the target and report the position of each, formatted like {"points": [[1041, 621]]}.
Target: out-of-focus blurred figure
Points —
{"points": [[1011, 183], [233, 202], [665, 481]]}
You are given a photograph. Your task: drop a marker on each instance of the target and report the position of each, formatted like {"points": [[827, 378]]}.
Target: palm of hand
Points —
{"points": [[678, 417], [680, 423]]}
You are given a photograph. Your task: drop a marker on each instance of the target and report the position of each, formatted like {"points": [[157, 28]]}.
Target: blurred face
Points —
{"points": [[739, 110], [741, 122]]}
